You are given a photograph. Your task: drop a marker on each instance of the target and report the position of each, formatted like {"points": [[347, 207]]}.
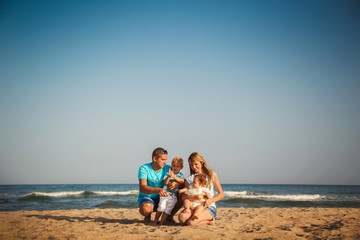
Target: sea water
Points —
{"points": [[86, 196]]}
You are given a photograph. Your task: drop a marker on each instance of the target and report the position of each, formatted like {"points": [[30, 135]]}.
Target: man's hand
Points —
{"points": [[162, 192], [173, 185]]}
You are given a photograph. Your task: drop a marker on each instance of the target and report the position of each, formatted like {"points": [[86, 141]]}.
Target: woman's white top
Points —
{"points": [[190, 180]]}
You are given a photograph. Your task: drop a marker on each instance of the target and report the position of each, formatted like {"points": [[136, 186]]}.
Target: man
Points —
{"points": [[151, 176]]}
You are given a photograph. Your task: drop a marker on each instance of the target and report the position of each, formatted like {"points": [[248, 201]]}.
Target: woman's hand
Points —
{"points": [[208, 202], [206, 195]]}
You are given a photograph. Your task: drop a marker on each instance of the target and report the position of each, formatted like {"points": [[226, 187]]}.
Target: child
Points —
{"points": [[173, 178], [175, 172], [197, 188]]}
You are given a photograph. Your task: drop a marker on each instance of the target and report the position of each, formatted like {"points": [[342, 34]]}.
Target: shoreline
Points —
{"points": [[233, 223]]}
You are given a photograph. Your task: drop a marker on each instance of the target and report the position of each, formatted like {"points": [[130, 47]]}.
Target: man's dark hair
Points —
{"points": [[158, 151]]}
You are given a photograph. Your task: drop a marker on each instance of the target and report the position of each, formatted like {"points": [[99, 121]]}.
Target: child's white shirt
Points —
{"points": [[196, 191]]}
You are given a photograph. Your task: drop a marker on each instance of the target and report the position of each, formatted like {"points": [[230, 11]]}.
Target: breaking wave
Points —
{"points": [[274, 197], [81, 193]]}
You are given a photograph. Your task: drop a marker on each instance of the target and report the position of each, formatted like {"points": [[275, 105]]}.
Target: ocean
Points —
{"points": [[86, 196]]}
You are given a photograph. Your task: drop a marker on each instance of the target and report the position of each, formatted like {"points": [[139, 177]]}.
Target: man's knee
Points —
{"points": [[146, 209]]}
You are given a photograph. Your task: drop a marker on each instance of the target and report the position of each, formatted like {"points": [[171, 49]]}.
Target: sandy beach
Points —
{"points": [[231, 223]]}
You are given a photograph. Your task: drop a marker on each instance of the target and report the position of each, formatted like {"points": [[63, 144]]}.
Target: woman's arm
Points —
{"points": [[182, 194], [183, 190], [219, 189]]}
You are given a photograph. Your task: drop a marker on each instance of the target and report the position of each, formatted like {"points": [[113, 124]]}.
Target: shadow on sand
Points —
{"points": [[87, 219]]}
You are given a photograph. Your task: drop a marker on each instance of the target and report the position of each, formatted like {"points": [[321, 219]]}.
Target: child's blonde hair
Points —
{"points": [[202, 180], [178, 160]]}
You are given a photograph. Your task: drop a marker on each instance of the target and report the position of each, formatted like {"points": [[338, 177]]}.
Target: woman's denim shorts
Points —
{"points": [[212, 211]]}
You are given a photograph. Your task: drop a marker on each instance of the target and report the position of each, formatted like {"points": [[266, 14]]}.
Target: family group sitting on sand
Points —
{"points": [[164, 190]]}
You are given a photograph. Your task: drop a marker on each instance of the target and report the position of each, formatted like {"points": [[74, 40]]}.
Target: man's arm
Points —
{"points": [[144, 188]]}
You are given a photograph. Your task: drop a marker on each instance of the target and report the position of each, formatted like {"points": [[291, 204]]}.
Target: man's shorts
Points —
{"points": [[154, 202]]}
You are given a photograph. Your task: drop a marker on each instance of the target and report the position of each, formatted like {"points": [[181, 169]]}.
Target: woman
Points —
{"points": [[198, 166]]}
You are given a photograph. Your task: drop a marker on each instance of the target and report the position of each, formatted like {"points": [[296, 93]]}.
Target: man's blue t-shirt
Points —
{"points": [[154, 179]]}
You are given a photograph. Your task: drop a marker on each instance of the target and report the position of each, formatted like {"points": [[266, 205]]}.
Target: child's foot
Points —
{"points": [[155, 222], [147, 219]]}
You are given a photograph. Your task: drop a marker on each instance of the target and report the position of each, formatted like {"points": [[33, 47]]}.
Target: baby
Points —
{"points": [[174, 178], [197, 188]]}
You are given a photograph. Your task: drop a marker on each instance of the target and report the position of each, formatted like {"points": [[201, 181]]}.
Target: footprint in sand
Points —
{"points": [[284, 227], [177, 232]]}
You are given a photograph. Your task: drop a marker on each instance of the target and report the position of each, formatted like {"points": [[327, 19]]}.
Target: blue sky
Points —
{"points": [[266, 91]]}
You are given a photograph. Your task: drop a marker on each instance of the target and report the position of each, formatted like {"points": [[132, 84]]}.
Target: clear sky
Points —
{"points": [[267, 91]]}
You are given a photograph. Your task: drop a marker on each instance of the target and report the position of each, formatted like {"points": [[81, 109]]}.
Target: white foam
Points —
{"points": [[78, 193], [56, 194], [289, 197], [236, 194], [130, 192]]}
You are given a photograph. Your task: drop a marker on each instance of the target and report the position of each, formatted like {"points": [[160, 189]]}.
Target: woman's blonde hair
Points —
{"points": [[196, 157]]}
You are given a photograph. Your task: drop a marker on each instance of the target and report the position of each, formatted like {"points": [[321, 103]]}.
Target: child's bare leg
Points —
{"points": [[197, 211], [157, 216], [187, 205], [178, 205], [163, 218]]}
